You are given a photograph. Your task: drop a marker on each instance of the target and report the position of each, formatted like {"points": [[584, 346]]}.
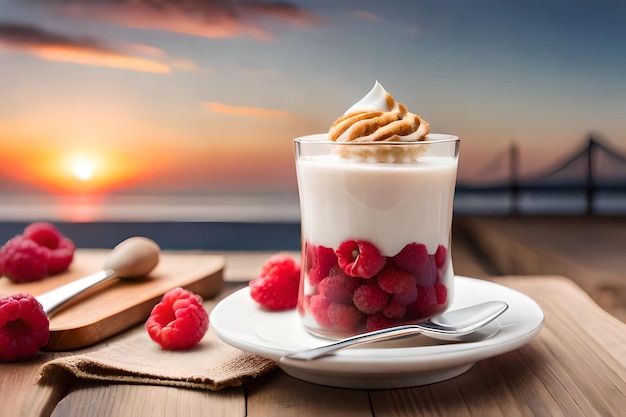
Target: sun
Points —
{"points": [[83, 169]]}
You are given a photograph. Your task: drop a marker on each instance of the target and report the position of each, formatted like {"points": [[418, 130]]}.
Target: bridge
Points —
{"points": [[594, 166]]}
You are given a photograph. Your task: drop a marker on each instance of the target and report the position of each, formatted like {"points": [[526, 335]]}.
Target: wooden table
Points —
{"points": [[588, 250], [576, 366]]}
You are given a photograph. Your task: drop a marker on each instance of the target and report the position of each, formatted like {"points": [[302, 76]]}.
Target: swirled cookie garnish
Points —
{"points": [[379, 118]]}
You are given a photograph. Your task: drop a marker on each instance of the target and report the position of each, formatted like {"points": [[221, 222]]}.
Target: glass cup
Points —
{"points": [[376, 230]]}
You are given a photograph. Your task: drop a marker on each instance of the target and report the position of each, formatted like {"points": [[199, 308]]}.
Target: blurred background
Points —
{"points": [[132, 114]]}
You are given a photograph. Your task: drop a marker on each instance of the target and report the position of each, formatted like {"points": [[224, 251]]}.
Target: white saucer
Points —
{"points": [[242, 323]]}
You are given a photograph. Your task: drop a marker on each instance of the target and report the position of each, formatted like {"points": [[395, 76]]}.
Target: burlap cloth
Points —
{"points": [[133, 357]]}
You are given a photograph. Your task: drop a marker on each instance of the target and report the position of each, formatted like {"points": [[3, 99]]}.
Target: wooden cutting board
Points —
{"points": [[119, 304]]}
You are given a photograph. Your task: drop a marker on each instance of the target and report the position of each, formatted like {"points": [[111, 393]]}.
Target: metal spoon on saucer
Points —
{"points": [[452, 325], [133, 258]]}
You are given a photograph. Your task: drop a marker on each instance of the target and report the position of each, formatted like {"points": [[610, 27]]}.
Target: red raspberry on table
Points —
{"points": [[395, 280], [274, 293], [412, 257], [24, 327], [338, 286], [281, 264], [370, 298], [277, 287], [23, 260], [440, 256], [321, 260], [41, 251], [60, 249], [359, 258], [346, 316], [59, 259], [44, 233], [179, 321]]}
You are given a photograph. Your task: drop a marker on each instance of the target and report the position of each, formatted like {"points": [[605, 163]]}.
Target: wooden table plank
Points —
{"points": [[104, 400], [281, 395], [21, 396]]}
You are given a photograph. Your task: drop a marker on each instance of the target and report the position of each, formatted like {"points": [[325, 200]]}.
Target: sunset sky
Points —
{"points": [[124, 95]]}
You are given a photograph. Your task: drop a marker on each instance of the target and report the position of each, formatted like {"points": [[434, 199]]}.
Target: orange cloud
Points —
{"points": [[146, 50], [245, 111], [100, 59], [61, 48], [206, 18]]}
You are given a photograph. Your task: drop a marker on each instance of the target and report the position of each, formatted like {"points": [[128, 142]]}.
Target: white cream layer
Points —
{"points": [[389, 205]]}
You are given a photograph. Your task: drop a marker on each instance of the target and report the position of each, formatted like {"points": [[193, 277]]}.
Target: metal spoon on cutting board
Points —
{"points": [[133, 258]]}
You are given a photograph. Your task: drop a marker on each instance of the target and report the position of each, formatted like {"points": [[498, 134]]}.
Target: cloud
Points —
{"points": [[145, 50], [58, 47], [206, 18], [365, 15], [245, 111], [184, 65]]}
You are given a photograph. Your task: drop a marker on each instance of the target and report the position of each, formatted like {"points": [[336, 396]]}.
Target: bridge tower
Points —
{"points": [[589, 182], [514, 163]]}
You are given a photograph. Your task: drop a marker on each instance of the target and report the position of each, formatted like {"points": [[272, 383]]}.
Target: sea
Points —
{"points": [[268, 221]]}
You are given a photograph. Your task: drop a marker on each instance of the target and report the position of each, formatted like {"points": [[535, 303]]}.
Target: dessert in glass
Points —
{"points": [[376, 196]]}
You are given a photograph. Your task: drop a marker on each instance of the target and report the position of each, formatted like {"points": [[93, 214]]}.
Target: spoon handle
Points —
{"points": [[53, 299], [376, 335]]}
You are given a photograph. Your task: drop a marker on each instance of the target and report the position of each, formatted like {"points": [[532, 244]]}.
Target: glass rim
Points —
{"points": [[441, 138]]}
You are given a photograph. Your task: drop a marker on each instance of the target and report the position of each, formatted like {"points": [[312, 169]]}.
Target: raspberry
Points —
{"points": [[338, 287], [318, 307], [179, 321], [281, 264], [60, 258], [440, 256], [24, 327], [41, 251], [23, 260], [425, 304], [428, 274], [377, 322], [360, 258], [277, 287], [274, 292], [395, 280], [345, 316], [407, 297], [370, 298], [45, 234], [321, 260], [412, 257], [394, 310]]}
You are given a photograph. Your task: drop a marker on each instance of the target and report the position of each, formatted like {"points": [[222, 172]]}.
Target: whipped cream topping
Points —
{"points": [[377, 117]]}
